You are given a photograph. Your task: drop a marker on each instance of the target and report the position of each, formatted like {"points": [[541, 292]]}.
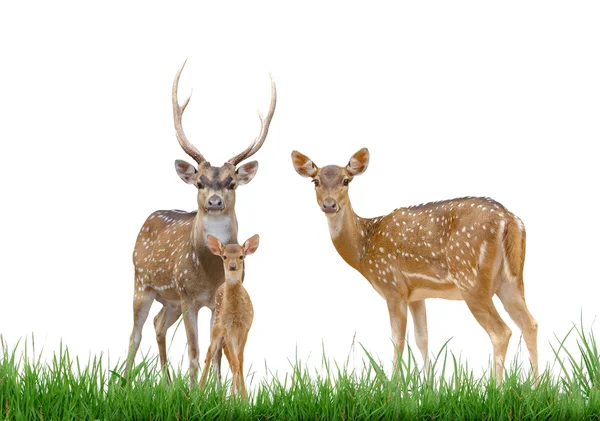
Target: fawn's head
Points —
{"points": [[331, 182], [233, 255], [216, 185]]}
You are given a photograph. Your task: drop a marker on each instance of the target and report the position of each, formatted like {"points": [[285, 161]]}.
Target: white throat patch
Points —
{"points": [[218, 226], [336, 223]]}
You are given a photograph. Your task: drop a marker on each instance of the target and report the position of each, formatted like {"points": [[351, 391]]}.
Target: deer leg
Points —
{"points": [[485, 313], [233, 364], [240, 356], [397, 310], [217, 356], [514, 303], [419, 315], [142, 301], [190, 320], [215, 342], [163, 321]]}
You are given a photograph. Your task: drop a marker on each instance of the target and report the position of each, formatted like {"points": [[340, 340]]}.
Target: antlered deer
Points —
{"points": [[173, 264], [233, 311], [462, 249]]}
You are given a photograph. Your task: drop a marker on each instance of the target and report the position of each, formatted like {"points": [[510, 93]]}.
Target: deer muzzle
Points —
{"points": [[215, 203], [329, 206]]}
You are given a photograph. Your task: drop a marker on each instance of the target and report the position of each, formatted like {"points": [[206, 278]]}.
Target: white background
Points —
{"points": [[451, 98]]}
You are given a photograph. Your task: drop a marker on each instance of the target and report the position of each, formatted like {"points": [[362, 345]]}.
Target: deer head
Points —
{"points": [[331, 182], [233, 254], [216, 185]]}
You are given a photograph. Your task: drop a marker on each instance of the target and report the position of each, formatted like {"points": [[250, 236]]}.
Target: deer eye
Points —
{"points": [[346, 181], [231, 186], [316, 182], [241, 257], [200, 185], [224, 258]]}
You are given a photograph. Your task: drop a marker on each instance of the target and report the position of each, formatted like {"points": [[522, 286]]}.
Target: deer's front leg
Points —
{"points": [[419, 315], [218, 354], [190, 320], [397, 310]]}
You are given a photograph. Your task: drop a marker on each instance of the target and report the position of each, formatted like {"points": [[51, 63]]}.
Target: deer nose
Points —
{"points": [[232, 266], [329, 205], [215, 203]]}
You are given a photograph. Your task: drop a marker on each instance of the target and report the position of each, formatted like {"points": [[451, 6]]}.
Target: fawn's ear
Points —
{"points": [[247, 172], [358, 162], [251, 245], [303, 165], [186, 171], [214, 245]]}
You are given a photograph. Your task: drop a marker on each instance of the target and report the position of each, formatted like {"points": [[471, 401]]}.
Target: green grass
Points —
{"points": [[64, 389]]}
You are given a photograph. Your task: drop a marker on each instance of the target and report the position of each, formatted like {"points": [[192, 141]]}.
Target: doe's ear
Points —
{"points": [[303, 165], [186, 171], [214, 245], [358, 162], [247, 172], [251, 244]]}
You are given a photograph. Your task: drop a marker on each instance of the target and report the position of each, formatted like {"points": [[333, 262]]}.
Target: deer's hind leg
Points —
{"points": [[162, 322], [477, 291], [215, 343], [513, 299], [218, 355], [142, 301]]}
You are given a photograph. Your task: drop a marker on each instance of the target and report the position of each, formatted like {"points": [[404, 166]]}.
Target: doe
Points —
{"points": [[233, 311], [462, 249]]}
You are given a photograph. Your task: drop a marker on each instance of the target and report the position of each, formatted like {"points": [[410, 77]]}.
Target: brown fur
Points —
{"points": [[173, 264], [468, 249], [233, 312]]}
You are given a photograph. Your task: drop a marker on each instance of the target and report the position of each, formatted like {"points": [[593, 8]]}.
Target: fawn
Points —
{"points": [[233, 311]]}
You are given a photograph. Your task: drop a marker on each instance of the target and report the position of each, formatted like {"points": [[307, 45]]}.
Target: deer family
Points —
{"points": [[462, 249], [173, 263], [233, 311]]}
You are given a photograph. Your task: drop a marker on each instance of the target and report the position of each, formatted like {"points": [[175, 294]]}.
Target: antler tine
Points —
{"points": [[264, 129], [178, 110]]}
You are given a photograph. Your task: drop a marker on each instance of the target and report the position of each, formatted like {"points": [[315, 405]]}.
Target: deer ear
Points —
{"points": [[186, 171], [214, 245], [303, 165], [358, 162], [251, 244], [247, 172]]}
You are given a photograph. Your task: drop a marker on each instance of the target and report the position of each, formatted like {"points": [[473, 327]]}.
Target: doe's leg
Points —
{"points": [[397, 310], [514, 304], [419, 315], [485, 313]]}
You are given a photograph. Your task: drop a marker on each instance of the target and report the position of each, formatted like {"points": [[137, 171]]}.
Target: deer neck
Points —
{"points": [[345, 228], [223, 226]]}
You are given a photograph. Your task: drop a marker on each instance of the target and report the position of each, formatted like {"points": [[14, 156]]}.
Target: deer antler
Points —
{"points": [[264, 129], [178, 110]]}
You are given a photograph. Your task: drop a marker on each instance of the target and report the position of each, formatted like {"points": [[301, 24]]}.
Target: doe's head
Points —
{"points": [[233, 254], [331, 182]]}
